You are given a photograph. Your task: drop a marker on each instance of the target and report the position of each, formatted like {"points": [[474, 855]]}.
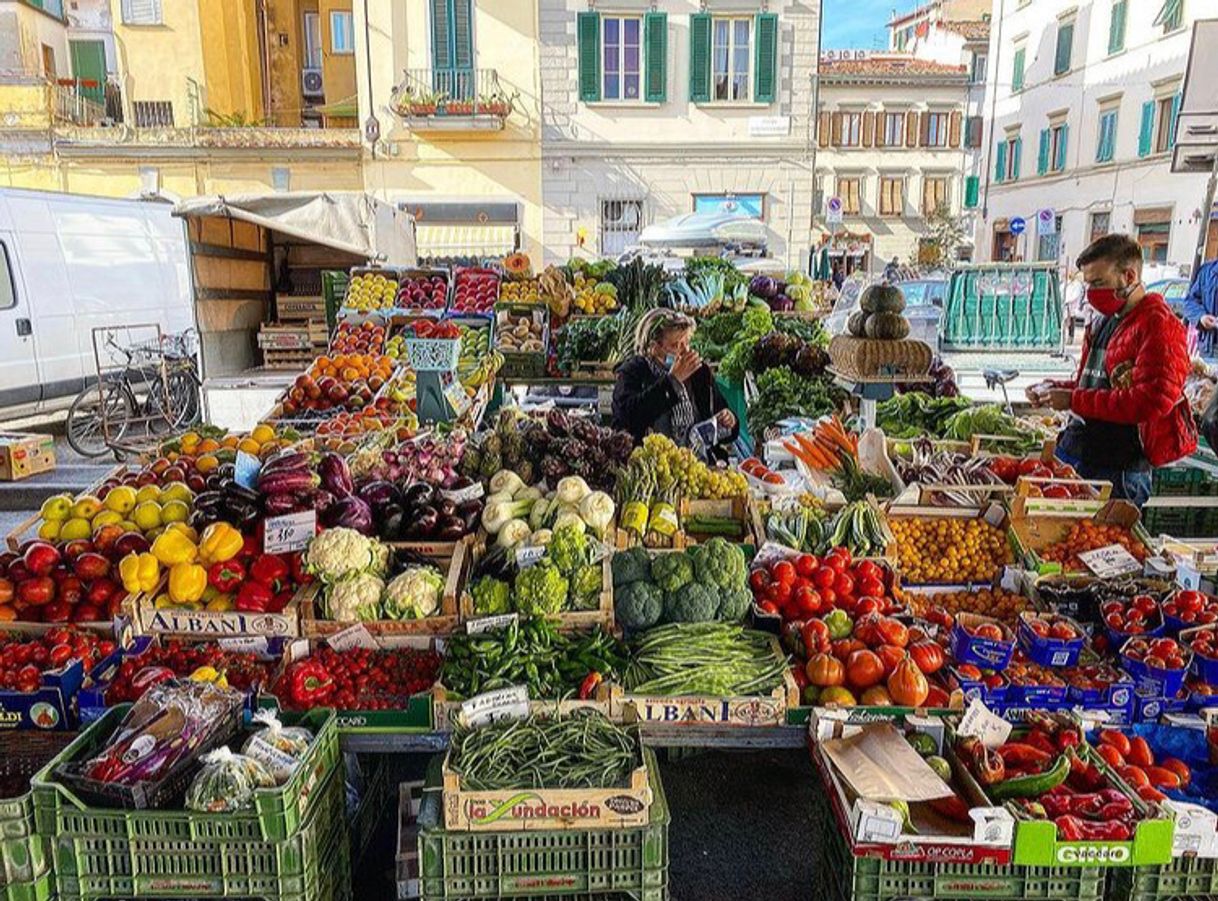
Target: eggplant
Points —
{"points": [[470, 512], [390, 526], [420, 494], [287, 481], [446, 507], [320, 499], [227, 470], [279, 504], [285, 460], [232, 489], [335, 475], [351, 513], [422, 525], [450, 528], [379, 494], [214, 481], [205, 499]]}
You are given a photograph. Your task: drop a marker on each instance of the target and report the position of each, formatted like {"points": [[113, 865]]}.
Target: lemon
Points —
{"points": [[177, 491], [148, 493], [174, 511], [49, 530]]}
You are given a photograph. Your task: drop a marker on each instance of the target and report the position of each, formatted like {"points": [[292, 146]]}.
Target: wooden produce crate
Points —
{"points": [[294, 309], [993, 513], [734, 508], [618, 806], [567, 620], [624, 539], [28, 527], [446, 711], [455, 564], [292, 346], [1037, 523]]}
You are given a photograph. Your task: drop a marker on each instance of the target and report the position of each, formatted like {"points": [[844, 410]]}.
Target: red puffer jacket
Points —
{"points": [[1147, 362]]}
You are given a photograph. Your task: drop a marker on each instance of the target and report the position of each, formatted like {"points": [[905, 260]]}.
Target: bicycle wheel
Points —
{"points": [[183, 408], [106, 404]]}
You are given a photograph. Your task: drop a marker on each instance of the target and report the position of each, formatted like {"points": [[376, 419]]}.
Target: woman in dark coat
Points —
{"points": [[666, 388]]}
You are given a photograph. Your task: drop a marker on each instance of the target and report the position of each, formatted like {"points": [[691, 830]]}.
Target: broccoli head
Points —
{"points": [[633, 565], [568, 549], [734, 604], [672, 571], [586, 587], [692, 603], [491, 597], [638, 605], [541, 590], [720, 563]]}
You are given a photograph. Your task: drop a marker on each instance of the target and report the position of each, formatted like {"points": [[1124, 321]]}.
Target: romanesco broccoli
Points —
{"points": [[568, 549], [586, 587], [492, 597], [541, 590]]}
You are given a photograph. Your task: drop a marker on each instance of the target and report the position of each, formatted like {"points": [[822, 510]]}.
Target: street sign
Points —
{"points": [[1046, 222], [1018, 225], [833, 216]]}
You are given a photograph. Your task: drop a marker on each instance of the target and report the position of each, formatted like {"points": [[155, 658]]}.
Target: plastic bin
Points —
{"points": [[1184, 877], [40, 889], [22, 754]]}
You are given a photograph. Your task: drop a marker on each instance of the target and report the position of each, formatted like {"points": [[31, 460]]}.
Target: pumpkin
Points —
{"points": [[887, 326], [517, 265], [864, 669], [825, 670], [882, 299], [857, 324], [908, 685]]}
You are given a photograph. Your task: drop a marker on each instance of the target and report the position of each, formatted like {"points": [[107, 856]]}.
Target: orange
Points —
{"points": [[207, 445]]}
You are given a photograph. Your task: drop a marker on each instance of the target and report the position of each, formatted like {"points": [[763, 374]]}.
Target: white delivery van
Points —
{"points": [[71, 263]]}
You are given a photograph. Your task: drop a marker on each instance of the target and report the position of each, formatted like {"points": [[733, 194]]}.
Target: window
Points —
{"points": [[452, 47], [621, 222], [1017, 70], [153, 113], [745, 204], [1116, 26], [1105, 148], [893, 134], [1171, 16], [1057, 146], [1007, 158], [624, 58], [312, 41], [730, 52], [1101, 224], [1165, 134], [977, 72], [849, 191], [1065, 46], [974, 131], [934, 129], [621, 50], [8, 284], [1153, 233], [342, 32], [852, 130], [934, 193], [1048, 246], [141, 12], [892, 195]]}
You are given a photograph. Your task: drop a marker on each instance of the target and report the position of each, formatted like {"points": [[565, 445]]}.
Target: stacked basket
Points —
{"points": [[25, 871]]}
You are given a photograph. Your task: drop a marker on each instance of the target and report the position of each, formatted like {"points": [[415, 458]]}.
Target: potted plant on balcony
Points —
{"points": [[495, 104], [409, 100], [455, 107]]}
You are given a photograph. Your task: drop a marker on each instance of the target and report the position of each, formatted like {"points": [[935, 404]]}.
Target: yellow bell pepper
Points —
{"points": [[219, 542], [163, 602], [139, 572], [171, 547], [221, 603], [210, 674], [186, 582], [189, 531]]}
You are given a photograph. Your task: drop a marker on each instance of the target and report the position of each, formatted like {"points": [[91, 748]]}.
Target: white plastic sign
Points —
{"points": [[461, 495], [1187, 577], [249, 644], [492, 706], [290, 532], [527, 556], [1109, 561], [354, 636], [992, 729], [489, 623]]}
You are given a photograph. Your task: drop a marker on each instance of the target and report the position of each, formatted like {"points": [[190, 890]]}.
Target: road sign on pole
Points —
{"points": [[1018, 225], [1046, 222], [833, 211]]}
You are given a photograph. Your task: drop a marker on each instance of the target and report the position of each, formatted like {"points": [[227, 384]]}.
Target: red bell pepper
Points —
{"points": [[253, 597], [226, 576], [1019, 754], [251, 547], [1037, 739], [270, 570], [300, 575], [1072, 829], [279, 601], [310, 684], [953, 808], [587, 688]]}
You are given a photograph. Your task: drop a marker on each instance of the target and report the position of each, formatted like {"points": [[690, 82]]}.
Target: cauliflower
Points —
{"points": [[354, 598], [567, 550], [338, 552], [633, 565], [381, 554], [719, 563], [672, 571], [540, 590], [734, 604], [638, 605], [491, 597], [586, 587], [414, 593], [692, 603]]}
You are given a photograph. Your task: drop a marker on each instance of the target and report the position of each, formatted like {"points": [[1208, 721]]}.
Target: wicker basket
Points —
{"points": [[869, 358]]}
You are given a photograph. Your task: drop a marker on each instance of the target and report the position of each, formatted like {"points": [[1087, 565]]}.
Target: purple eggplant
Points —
{"points": [[279, 504], [379, 494], [420, 494], [335, 475], [470, 512], [450, 528], [420, 525], [350, 513]]}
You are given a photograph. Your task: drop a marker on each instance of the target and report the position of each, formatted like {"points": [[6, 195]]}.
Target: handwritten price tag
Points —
{"points": [[354, 636], [252, 644], [492, 706], [1110, 561], [527, 556], [979, 721], [489, 623], [290, 532]]}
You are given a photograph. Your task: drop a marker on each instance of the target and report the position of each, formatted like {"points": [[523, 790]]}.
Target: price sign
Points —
{"points": [[504, 704], [245, 470], [489, 623], [461, 495], [527, 556], [993, 730], [252, 644], [454, 393], [290, 532], [1188, 577], [1112, 560], [354, 636]]}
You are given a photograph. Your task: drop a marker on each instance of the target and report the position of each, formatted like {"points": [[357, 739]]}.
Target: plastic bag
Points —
{"points": [[276, 747], [227, 783]]}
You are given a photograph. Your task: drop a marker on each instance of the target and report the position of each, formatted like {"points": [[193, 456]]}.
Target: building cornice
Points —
{"points": [[731, 149]]}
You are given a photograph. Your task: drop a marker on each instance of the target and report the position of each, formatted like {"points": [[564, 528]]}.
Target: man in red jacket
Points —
{"points": [[1127, 401]]}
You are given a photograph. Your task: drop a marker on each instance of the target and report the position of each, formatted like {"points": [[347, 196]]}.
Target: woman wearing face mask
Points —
{"points": [[666, 388], [1127, 401]]}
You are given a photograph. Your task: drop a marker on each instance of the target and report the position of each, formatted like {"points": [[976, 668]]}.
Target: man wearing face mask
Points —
{"points": [[1127, 402], [666, 388]]}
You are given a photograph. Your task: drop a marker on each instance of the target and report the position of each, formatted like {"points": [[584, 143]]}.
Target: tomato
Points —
{"points": [[1179, 767], [988, 630], [866, 605], [824, 577], [890, 655], [815, 635], [1134, 775], [758, 580], [892, 631], [805, 565], [1189, 600], [825, 670], [864, 669], [843, 584], [928, 656], [840, 562], [806, 601], [783, 571], [868, 569], [768, 607], [779, 593], [869, 587]]}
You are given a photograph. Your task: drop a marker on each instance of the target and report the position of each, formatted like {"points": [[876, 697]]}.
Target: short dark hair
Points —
{"points": [[1120, 250]]}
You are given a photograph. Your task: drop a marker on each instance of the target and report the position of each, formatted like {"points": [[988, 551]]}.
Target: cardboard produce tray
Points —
{"points": [[1037, 523], [181, 622]]}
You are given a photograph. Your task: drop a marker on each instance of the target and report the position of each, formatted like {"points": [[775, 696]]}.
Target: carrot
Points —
{"points": [[796, 451], [821, 458]]}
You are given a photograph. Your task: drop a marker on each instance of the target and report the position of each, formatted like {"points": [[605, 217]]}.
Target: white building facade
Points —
{"points": [[654, 109], [1083, 100]]}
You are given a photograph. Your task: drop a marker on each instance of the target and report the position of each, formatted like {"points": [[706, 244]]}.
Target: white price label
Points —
{"points": [[454, 393], [489, 623], [1109, 561], [253, 644], [264, 752], [290, 532], [527, 556], [503, 704], [354, 636], [461, 495], [992, 729]]}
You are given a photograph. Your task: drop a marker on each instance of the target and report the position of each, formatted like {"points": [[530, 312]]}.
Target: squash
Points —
{"points": [[857, 324], [517, 265], [887, 326], [882, 298], [907, 686]]}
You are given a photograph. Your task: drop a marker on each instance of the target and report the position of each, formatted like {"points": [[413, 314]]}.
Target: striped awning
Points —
{"points": [[465, 240]]}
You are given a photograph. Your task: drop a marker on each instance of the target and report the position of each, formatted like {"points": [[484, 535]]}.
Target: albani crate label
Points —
{"points": [[210, 622], [722, 711]]}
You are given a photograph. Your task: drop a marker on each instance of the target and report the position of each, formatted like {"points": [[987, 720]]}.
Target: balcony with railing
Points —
{"points": [[452, 100]]}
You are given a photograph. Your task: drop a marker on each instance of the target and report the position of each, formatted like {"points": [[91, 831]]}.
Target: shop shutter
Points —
{"points": [[823, 129], [1042, 157], [655, 37], [589, 37], [953, 129], [911, 129], [699, 57], [1146, 133], [972, 192], [765, 57]]}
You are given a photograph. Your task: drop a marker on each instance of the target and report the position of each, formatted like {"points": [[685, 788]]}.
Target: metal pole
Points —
{"points": [[994, 68], [815, 124], [1207, 212]]}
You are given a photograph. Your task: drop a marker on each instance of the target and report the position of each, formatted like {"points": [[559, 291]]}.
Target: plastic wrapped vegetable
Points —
{"points": [[227, 782], [277, 747]]}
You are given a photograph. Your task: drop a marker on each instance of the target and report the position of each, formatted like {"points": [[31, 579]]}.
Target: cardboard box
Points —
{"points": [[1037, 523], [22, 456]]}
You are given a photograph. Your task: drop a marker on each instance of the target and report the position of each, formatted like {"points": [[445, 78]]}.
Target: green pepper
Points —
{"points": [[1032, 786]]}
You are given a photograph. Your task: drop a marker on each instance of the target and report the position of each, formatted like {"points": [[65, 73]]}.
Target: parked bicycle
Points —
{"points": [[156, 391]]}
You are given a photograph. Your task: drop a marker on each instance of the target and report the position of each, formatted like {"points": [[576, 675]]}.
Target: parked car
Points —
{"points": [[923, 307], [1174, 290]]}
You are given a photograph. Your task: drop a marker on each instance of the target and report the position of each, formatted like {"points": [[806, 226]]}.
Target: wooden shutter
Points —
{"points": [[1175, 115], [765, 57], [1042, 157], [835, 137], [588, 32], [699, 57], [973, 131], [1000, 162], [441, 29], [1017, 159], [1062, 143], [1065, 46], [463, 39], [868, 128], [1146, 134], [655, 46], [881, 120], [924, 136], [953, 129], [911, 129], [823, 129], [1116, 27], [972, 192]]}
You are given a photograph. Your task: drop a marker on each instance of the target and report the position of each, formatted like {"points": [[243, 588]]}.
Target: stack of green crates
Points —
{"points": [[1182, 480], [291, 845], [580, 863], [1184, 877], [1003, 307], [25, 859]]}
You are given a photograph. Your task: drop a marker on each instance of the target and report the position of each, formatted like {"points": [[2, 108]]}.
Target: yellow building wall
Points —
{"points": [[228, 34], [338, 69], [285, 26], [159, 62]]}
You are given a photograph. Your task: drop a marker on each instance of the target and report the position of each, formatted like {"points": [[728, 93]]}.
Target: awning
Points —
{"points": [[353, 222], [347, 108], [470, 240]]}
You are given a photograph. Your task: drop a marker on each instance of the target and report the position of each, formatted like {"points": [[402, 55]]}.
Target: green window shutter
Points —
{"points": [[1116, 26], [655, 46], [441, 47], [1059, 164], [972, 192], [1017, 159], [765, 57], [463, 36], [1146, 134], [1000, 164], [1065, 44], [699, 57], [1017, 71], [1175, 114], [1104, 151], [588, 34], [1042, 158]]}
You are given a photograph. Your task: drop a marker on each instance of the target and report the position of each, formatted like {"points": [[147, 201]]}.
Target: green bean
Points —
{"points": [[714, 659]]}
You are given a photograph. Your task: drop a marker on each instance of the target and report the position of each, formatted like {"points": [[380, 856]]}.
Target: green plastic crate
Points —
{"points": [[23, 754], [1179, 481], [471, 865], [24, 860], [91, 866], [276, 815], [983, 309], [40, 889], [1179, 522], [372, 803], [1183, 878], [851, 878]]}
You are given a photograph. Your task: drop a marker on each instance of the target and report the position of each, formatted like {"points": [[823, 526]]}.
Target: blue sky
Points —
{"points": [[859, 24]]}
